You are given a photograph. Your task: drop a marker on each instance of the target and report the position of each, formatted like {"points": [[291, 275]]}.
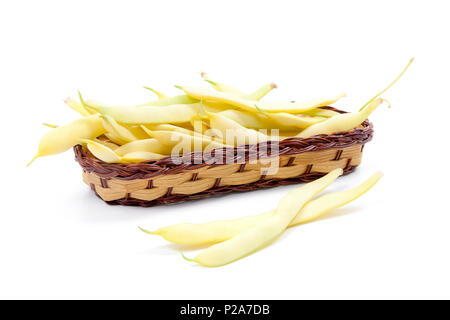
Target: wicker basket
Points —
{"points": [[165, 181]]}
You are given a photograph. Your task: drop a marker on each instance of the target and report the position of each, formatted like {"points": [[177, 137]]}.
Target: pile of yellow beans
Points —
{"points": [[200, 119]]}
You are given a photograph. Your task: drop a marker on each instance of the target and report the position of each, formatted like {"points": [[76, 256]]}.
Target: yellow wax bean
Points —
{"points": [[86, 105], [110, 145], [140, 156], [218, 231], [199, 125], [319, 113], [159, 94], [327, 202], [209, 232], [232, 132], [285, 120], [341, 122], [212, 106], [167, 101], [64, 137], [183, 143], [169, 127], [102, 152], [251, 240], [221, 97], [281, 121], [114, 138], [77, 107], [258, 94], [136, 130], [145, 145], [165, 127], [120, 132], [254, 105], [177, 113], [298, 106], [246, 119]]}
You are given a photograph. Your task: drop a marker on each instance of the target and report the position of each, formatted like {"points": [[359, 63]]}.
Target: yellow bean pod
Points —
{"points": [[177, 113], [183, 143], [140, 156], [319, 113], [114, 138], [77, 107], [136, 130], [165, 127], [199, 124], [110, 145], [341, 122], [85, 105], [299, 106], [314, 209], [64, 137], [169, 127], [218, 231], [120, 133], [101, 151], [246, 119], [254, 105], [283, 120], [167, 101], [251, 240], [232, 132], [147, 145]]}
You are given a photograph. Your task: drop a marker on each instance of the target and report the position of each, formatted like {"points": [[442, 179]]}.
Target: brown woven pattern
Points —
{"points": [[165, 181]]}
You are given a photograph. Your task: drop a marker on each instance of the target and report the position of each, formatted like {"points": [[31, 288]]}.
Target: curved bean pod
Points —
{"points": [[218, 231], [101, 151], [183, 143], [140, 156], [266, 231], [341, 122], [145, 145], [120, 132], [254, 105], [77, 107], [177, 113], [167, 101], [64, 137], [232, 132]]}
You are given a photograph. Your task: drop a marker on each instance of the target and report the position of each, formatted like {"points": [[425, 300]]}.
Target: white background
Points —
{"points": [[57, 240]]}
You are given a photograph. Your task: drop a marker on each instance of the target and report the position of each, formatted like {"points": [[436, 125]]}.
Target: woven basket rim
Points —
{"points": [[198, 159]]}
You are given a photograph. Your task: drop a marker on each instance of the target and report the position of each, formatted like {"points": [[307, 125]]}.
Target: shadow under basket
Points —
{"points": [[224, 170]]}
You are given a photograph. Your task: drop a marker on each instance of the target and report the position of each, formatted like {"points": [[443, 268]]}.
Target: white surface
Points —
{"points": [[57, 240]]}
